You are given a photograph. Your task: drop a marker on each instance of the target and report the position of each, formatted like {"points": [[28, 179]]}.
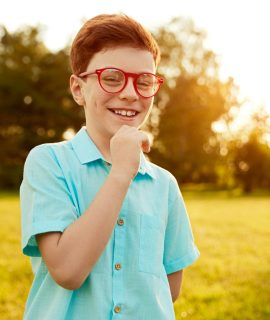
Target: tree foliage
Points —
{"points": [[252, 163], [250, 153], [191, 100], [36, 105]]}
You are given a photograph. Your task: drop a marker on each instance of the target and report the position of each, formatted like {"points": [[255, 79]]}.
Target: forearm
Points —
{"points": [[82, 243], [175, 281]]}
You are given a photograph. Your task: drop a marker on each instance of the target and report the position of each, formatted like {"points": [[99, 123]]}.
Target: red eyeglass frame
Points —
{"points": [[127, 75]]}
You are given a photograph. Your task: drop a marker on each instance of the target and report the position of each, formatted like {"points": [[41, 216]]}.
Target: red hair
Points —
{"points": [[108, 31]]}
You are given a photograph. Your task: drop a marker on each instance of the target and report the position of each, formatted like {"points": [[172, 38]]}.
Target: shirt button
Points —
{"points": [[117, 309], [120, 222], [118, 266]]}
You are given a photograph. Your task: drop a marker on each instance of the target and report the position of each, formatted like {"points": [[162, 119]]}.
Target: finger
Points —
{"points": [[125, 128], [146, 147], [144, 142]]}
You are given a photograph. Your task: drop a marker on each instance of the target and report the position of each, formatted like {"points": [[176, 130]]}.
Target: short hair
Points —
{"points": [[107, 31]]}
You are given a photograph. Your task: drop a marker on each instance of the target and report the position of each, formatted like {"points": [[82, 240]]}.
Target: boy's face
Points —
{"points": [[98, 104]]}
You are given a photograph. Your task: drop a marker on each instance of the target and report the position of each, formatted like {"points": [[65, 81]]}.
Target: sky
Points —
{"points": [[238, 31]]}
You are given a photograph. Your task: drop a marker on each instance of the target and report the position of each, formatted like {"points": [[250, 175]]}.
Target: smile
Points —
{"points": [[124, 113]]}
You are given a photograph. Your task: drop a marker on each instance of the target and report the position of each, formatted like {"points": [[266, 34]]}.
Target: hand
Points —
{"points": [[125, 147]]}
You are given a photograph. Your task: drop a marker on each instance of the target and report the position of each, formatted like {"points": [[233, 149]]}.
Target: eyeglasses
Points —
{"points": [[114, 80]]}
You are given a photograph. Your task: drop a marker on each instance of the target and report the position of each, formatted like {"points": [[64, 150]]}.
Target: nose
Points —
{"points": [[129, 92]]}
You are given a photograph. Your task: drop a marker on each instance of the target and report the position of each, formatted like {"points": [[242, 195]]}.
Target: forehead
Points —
{"points": [[126, 58]]}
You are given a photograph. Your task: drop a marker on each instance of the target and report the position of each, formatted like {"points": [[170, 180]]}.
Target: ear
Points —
{"points": [[76, 90]]}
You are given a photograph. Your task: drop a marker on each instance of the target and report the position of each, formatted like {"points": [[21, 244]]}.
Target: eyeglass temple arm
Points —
{"points": [[86, 73]]}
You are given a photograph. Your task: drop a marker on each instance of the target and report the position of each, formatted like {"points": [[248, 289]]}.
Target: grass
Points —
{"points": [[231, 278], [229, 281], [15, 270]]}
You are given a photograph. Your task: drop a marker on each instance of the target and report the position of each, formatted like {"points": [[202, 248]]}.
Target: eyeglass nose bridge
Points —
{"points": [[134, 76]]}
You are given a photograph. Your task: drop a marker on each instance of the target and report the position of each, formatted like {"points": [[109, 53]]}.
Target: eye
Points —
{"points": [[146, 81], [111, 77]]}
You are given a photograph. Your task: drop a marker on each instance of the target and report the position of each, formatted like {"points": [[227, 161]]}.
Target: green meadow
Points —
{"points": [[229, 281]]}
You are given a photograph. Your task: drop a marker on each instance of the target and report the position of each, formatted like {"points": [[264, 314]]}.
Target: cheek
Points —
{"points": [[101, 96], [148, 103], [99, 100], [102, 104], [105, 98]]}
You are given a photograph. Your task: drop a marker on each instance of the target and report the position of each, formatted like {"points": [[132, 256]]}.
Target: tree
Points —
{"points": [[36, 105], [191, 100], [251, 153], [252, 163]]}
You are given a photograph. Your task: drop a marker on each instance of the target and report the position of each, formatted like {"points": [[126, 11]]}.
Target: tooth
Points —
{"points": [[128, 113]]}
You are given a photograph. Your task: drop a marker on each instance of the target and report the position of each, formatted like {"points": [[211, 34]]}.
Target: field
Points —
{"points": [[229, 281]]}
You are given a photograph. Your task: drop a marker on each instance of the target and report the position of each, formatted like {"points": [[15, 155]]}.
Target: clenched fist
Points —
{"points": [[125, 147]]}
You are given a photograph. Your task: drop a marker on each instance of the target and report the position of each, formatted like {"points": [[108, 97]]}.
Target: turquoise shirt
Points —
{"points": [[151, 238]]}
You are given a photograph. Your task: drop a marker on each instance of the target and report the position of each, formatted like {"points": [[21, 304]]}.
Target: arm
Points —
{"points": [[179, 248], [175, 281], [71, 255]]}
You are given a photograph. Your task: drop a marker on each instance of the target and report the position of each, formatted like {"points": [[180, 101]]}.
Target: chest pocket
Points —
{"points": [[151, 244]]}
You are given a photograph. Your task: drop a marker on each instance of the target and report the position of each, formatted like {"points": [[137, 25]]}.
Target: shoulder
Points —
{"points": [[45, 155], [47, 150], [161, 174], [165, 179], [169, 185]]}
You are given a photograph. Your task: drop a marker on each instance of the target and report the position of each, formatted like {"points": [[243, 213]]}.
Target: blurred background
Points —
{"points": [[210, 126]]}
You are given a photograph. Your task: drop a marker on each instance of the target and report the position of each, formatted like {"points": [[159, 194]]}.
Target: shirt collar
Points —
{"points": [[145, 167], [87, 151], [84, 147]]}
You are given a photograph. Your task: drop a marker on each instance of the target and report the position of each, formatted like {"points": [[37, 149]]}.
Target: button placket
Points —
{"points": [[117, 309], [118, 266], [120, 222], [118, 260]]}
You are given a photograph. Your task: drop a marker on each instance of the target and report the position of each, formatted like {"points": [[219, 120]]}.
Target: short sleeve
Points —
{"points": [[179, 248], [45, 201]]}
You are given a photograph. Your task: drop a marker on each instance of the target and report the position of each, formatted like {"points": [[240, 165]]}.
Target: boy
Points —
{"points": [[107, 231]]}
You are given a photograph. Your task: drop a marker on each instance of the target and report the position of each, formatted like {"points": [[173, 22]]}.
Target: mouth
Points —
{"points": [[124, 114]]}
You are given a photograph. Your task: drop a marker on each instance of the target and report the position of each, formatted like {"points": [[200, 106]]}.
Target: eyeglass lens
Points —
{"points": [[113, 80]]}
